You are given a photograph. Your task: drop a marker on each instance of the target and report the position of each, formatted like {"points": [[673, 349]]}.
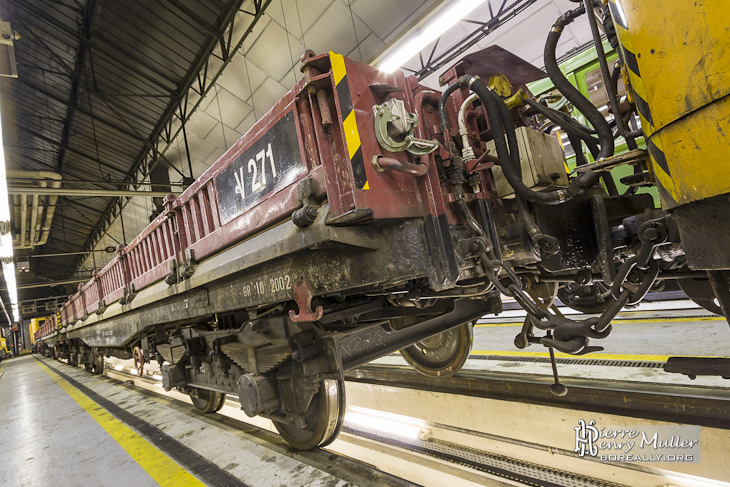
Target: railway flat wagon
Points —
{"points": [[308, 249], [366, 214]]}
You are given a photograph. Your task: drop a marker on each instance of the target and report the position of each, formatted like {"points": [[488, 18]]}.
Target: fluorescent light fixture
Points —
{"points": [[6, 238], [433, 31], [119, 367], [384, 425], [389, 423]]}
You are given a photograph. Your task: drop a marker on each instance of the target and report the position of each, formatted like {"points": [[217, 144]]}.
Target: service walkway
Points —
{"points": [[63, 426]]}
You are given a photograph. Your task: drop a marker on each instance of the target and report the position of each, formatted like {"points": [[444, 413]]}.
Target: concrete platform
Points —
{"points": [[64, 426]]}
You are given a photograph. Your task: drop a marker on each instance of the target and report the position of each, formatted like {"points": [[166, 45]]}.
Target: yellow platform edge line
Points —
{"points": [[688, 319], [600, 356], [163, 470]]}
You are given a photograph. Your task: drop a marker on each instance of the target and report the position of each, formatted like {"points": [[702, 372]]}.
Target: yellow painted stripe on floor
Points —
{"points": [[601, 356], [492, 325], [671, 320], [163, 470], [688, 319]]}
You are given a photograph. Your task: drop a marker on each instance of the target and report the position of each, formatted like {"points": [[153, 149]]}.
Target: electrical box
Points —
{"points": [[541, 159]]}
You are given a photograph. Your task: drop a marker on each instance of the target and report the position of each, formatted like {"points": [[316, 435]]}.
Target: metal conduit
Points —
{"points": [[42, 210], [44, 196], [87, 192]]}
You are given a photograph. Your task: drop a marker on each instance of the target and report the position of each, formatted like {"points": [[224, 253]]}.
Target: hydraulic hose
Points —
{"points": [[532, 229], [615, 75], [610, 91], [575, 142], [580, 102], [563, 119], [459, 195], [443, 119], [509, 162]]}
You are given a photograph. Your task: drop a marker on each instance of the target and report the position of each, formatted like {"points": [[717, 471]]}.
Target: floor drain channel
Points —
{"points": [[525, 472], [573, 361]]}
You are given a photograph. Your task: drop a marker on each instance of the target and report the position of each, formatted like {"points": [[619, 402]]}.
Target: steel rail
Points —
{"points": [[660, 402]]}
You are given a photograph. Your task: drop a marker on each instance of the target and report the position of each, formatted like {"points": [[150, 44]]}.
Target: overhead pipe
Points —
{"points": [[109, 193], [48, 284], [50, 211], [35, 231], [23, 220], [16, 216], [38, 217], [33, 221]]}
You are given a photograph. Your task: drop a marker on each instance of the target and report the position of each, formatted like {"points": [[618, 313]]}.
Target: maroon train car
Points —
{"points": [[362, 215]]}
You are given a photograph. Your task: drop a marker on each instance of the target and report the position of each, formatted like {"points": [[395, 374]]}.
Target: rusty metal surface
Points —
{"points": [[253, 273], [495, 59], [197, 224]]}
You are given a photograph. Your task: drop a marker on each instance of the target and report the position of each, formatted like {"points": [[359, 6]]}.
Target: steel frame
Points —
{"points": [[503, 14], [165, 132]]}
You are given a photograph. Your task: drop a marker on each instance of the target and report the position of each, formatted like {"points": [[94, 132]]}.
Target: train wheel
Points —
{"points": [[441, 355], [138, 361], [324, 418], [97, 363], [700, 291], [208, 401]]}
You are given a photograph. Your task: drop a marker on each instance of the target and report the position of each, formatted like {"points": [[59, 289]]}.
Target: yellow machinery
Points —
{"points": [[677, 58], [4, 352], [35, 323]]}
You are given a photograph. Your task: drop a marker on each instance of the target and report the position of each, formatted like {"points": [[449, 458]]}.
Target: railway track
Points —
{"points": [[460, 450]]}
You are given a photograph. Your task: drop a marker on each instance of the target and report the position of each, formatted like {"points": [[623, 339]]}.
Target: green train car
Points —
{"points": [[583, 71]]}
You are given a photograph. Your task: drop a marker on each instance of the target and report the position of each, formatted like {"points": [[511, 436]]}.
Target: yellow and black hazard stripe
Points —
{"points": [[633, 65], [662, 173], [58, 320], [349, 124]]}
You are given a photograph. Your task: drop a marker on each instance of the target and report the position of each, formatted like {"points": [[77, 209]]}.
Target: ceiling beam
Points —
{"points": [[86, 28], [48, 284], [69, 149], [48, 18], [225, 22], [87, 192]]}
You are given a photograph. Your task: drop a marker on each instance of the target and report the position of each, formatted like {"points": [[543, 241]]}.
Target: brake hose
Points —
{"points": [[580, 102]]}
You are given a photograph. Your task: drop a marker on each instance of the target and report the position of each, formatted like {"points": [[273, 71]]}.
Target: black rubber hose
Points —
{"points": [[509, 129], [468, 217], [508, 162], [443, 119], [573, 122], [615, 75], [487, 219], [630, 141], [575, 142], [566, 123], [527, 220], [580, 102]]}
